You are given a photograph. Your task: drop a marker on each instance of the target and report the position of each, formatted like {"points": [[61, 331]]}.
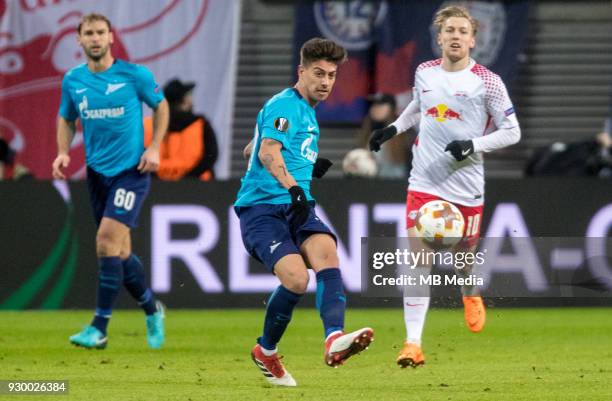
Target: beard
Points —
{"points": [[99, 55]]}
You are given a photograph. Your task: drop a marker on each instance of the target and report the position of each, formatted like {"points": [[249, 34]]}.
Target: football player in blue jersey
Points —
{"points": [[277, 218], [106, 94]]}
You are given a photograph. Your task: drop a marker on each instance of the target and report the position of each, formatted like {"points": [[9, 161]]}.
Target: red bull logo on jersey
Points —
{"points": [[442, 113]]}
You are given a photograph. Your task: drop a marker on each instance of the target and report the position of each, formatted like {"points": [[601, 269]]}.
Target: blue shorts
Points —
{"points": [[268, 235], [120, 197]]}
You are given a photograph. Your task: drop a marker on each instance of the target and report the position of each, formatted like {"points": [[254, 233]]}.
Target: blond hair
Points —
{"points": [[454, 11]]}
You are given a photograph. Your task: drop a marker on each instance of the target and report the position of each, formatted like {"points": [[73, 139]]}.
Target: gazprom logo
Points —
{"points": [[83, 104], [114, 112], [93, 114], [308, 153]]}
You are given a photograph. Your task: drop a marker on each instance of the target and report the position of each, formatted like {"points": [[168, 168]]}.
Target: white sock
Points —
{"points": [[415, 310], [268, 352]]}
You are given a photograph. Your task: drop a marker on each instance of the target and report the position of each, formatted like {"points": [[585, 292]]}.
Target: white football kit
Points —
{"points": [[471, 104]]}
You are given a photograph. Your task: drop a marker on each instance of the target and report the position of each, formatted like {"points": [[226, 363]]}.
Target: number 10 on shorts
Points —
{"points": [[473, 226], [124, 199]]}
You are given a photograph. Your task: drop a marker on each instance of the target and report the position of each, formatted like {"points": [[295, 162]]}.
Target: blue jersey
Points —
{"points": [[109, 106], [290, 120]]}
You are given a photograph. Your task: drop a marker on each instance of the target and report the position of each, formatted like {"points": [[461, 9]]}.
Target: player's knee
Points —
{"points": [[125, 252], [326, 258], [107, 244], [298, 283], [320, 251]]}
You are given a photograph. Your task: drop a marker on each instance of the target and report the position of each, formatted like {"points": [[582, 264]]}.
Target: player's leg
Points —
{"points": [[116, 203], [109, 265], [416, 299], [293, 276], [135, 283], [266, 237], [474, 310], [109, 239], [415, 305], [291, 271], [319, 251], [134, 278]]}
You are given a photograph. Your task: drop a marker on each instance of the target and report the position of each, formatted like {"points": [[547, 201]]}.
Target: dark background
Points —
{"points": [[33, 215]]}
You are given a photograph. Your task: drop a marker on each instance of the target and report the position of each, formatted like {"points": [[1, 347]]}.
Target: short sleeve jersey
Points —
{"points": [[290, 120], [109, 105]]}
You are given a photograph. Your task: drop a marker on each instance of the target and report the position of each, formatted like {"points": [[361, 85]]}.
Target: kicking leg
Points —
{"points": [[319, 251]]}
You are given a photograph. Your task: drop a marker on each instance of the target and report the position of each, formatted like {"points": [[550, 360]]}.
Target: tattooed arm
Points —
{"points": [[272, 159]]}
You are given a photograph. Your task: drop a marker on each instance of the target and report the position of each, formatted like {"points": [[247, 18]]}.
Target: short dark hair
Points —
{"points": [[316, 49], [94, 17]]}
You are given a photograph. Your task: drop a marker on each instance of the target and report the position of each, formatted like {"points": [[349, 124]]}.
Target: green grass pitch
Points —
{"points": [[523, 354]]}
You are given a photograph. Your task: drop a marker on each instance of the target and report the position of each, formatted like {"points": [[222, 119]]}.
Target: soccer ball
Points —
{"points": [[439, 224], [359, 163]]}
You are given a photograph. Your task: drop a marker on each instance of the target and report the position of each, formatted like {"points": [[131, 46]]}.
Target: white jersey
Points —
{"points": [[460, 105]]}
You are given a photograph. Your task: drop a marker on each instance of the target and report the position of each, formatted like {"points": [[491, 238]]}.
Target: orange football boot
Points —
{"points": [[410, 355], [474, 313]]}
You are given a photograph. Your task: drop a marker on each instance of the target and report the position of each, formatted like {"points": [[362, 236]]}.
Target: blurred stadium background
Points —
{"points": [[240, 53]]}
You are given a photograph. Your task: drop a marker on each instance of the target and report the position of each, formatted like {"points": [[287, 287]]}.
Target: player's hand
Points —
{"points": [[380, 136], [61, 162], [460, 149], [320, 167], [149, 161], [300, 208]]}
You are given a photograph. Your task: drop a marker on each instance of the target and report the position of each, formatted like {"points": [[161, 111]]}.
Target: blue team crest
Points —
{"points": [[349, 23]]}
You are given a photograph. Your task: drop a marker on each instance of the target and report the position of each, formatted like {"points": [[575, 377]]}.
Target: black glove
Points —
{"points": [[460, 149], [5, 151], [320, 167], [380, 136], [299, 205]]}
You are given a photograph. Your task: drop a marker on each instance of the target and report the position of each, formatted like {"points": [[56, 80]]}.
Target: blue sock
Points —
{"points": [[331, 301], [134, 282], [278, 315], [109, 284]]}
